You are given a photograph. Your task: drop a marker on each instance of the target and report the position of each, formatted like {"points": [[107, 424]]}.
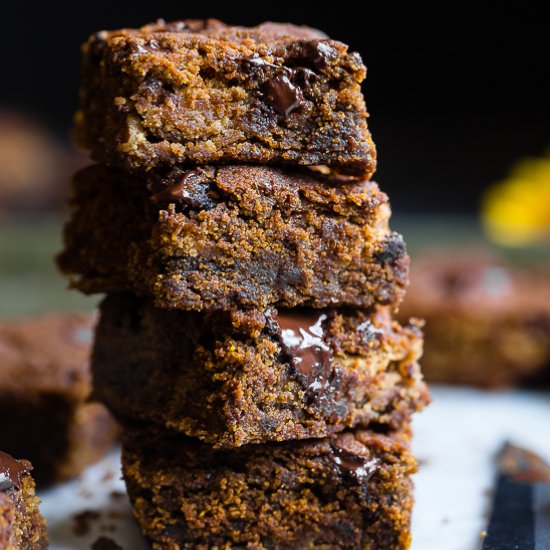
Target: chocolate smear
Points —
{"points": [[283, 95], [360, 467], [188, 191], [11, 473], [301, 335]]}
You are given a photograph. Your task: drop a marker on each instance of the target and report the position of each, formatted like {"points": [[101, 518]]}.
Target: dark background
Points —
{"points": [[455, 96]]}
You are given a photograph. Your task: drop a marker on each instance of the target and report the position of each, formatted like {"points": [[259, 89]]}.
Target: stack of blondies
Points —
{"points": [[247, 343]]}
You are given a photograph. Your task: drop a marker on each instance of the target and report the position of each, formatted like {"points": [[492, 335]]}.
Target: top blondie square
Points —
{"points": [[200, 91]]}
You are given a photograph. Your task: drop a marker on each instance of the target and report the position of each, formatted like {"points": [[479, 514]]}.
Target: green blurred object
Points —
{"points": [[30, 282]]}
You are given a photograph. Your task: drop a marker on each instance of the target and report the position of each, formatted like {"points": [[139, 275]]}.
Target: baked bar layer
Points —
{"points": [[232, 237], [256, 376], [44, 390], [487, 323], [349, 491], [21, 525], [203, 92]]}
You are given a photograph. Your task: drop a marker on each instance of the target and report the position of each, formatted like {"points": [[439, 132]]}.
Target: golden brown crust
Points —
{"points": [[203, 92]]}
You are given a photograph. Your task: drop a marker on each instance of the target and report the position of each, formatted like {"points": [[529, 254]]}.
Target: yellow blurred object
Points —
{"points": [[516, 211]]}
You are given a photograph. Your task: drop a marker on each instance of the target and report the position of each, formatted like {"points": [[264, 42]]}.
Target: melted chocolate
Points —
{"points": [[302, 340], [256, 62], [283, 95], [282, 91], [393, 251], [360, 467], [11, 473], [304, 77], [315, 54], [187, 191]]}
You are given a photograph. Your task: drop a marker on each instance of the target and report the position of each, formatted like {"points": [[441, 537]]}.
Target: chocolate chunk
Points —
{"points": [[394, 249], [283, 95], [314, 54], [360, 467], [320, 54], [11, 473], [302, 339], [304, 77], [188, 191]]}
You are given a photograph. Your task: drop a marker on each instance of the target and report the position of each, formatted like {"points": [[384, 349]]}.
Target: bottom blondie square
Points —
{"points": [[349, 491], [262, 375]]}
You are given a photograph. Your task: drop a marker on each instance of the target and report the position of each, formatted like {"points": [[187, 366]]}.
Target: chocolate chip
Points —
{"points": [[189, 191], [7, 486], [394, 249], [304, 76], [360, 467], [302, 340], [256, 62], [302, 337], [320, 54], [11, 473], [282, 95], [314, 54]]}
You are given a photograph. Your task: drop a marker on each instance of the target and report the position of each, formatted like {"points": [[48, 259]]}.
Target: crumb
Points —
{"points": [[117, 495], [82, 521], [105, 543], [483, 534]]}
